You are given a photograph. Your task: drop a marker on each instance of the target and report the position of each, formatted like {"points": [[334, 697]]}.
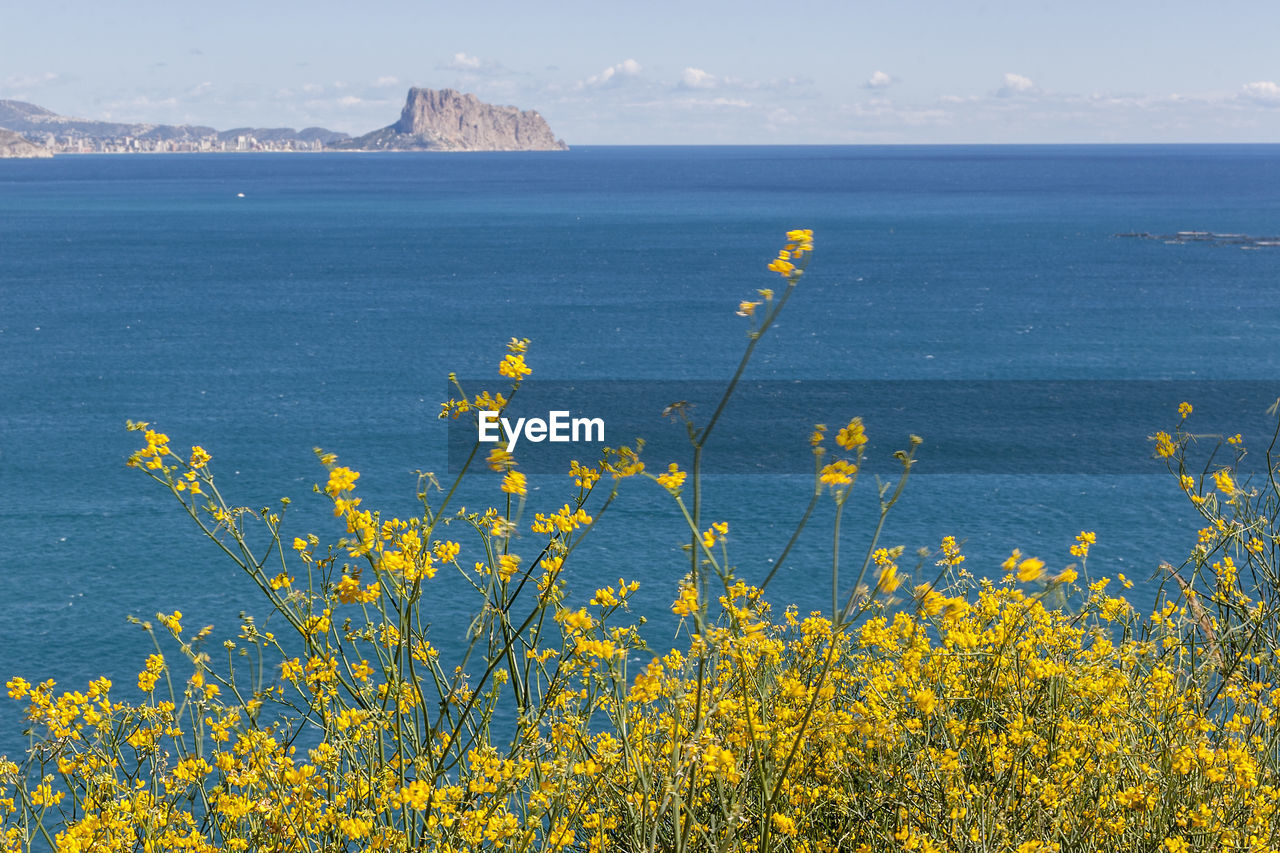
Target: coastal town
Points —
{"points": [[80, 144]]}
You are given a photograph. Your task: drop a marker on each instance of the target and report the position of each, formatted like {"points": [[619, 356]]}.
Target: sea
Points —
{"points": [[981, 297]]}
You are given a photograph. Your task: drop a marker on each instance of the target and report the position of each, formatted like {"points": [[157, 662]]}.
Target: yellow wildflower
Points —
{"points": [[515, 483], [925, 701], [686, 602], [341, 480], [446, 552], [719, 761], [507, 566], [838, 473], [951, 555], [513, 367], [1084, 539], [499, 459], [783, 825], [673, 479], [1030, 569], [852, 436]]}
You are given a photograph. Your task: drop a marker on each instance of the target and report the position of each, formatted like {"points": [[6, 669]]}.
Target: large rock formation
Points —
{"points": [[446, 120], [15, 145]]}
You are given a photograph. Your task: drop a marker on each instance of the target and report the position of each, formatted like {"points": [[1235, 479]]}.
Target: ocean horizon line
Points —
{"points": [[579, 147]]}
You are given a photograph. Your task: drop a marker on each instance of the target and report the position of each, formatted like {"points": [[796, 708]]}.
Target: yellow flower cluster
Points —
{"points": [[840, 474], [152, 456], [1006, 724], [623, 462], [673, 479], [714, 533], [1084, 541], [852, 436], [974, 715], [513, 367], [799, 243]]}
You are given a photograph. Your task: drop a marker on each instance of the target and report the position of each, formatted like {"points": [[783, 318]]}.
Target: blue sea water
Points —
{"points": [[326, 305]]}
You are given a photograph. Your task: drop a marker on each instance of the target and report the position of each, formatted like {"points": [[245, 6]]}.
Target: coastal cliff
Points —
{"points": [[15, 145], [447, 120]]}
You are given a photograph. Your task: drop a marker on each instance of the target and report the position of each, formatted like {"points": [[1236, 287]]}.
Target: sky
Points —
{"points": [[661, 72]]}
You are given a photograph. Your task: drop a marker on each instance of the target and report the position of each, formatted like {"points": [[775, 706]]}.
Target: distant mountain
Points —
{"points": [[22, 111], [37, 123], [446, 120], [33, 121], [14, 145]]}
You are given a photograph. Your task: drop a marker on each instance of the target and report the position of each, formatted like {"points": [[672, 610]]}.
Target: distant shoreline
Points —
{"points": [[866, 146], [432, 120], [297, 151]]}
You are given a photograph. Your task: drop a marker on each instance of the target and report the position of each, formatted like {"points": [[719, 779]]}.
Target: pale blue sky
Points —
{"points": [[671, 72]]}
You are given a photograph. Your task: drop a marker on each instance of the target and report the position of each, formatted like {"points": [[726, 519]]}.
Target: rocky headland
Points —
{"points": [[447, 120], [15, 145]]}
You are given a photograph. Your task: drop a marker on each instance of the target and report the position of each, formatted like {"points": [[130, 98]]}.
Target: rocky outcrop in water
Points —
{"points": [[15, 145], [1212, 238], [447, 120]]}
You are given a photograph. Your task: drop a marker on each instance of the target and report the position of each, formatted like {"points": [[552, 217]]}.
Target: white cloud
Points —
{"points": [[703, 103], [1263, 90], [350, 101], [696, 78], [141, 108], [23, 81], [780, 117], [878, 80], [386, 81], [613, 75], [679, 106], [1016, 84], [463, 62], [468, 68], [877, 114]]}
